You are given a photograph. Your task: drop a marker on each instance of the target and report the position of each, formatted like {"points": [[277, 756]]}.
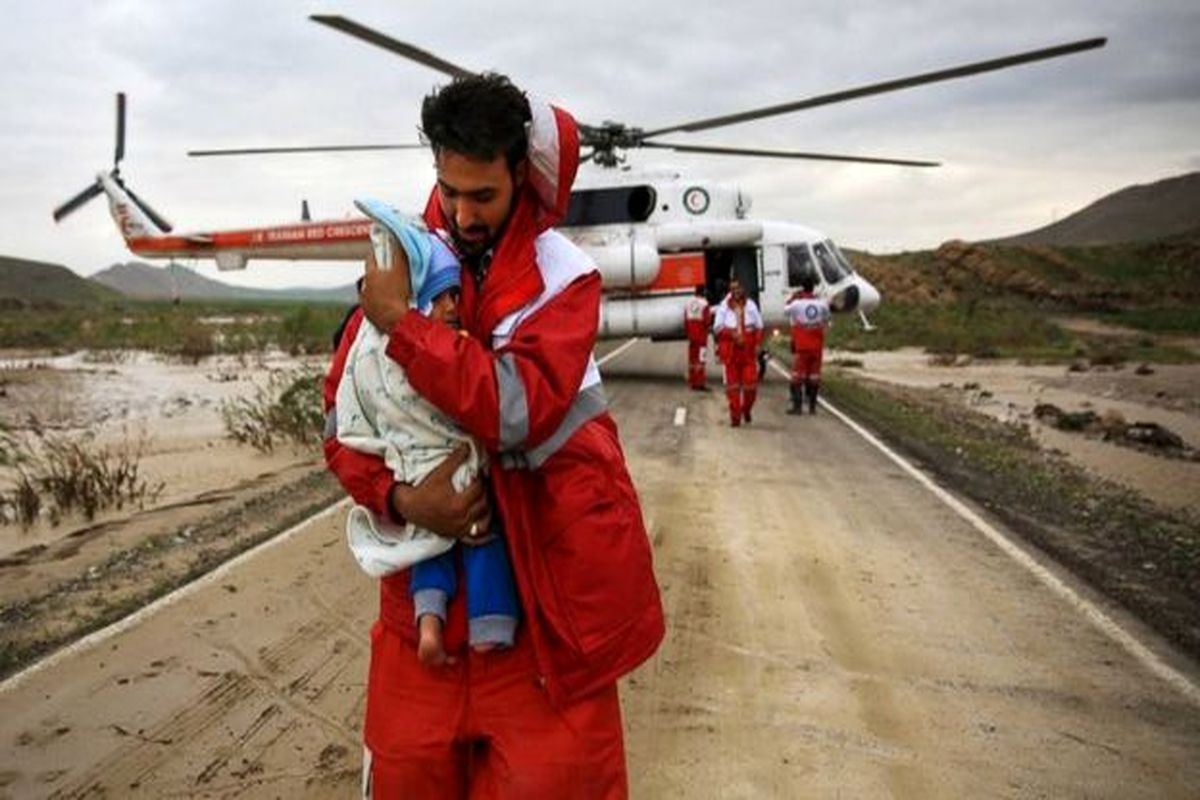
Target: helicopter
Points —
{"points": [[654, 234]]}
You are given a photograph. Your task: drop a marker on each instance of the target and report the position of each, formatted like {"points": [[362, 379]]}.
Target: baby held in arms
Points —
{"points": [[378, 412]]}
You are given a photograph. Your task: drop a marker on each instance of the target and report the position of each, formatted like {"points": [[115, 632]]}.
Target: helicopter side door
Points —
{"points": [[726, 264]]}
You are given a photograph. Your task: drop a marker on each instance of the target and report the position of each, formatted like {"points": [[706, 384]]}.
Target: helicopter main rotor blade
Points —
{"points": [[120, 151], [76, 201], [332, 148], [349, 26], [742, 151], [885, 86]]}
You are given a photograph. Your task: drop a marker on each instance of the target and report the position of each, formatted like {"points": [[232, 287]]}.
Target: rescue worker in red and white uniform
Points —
{"points": [[738, 328], [809, 317], [541, 719], [697, 321]]}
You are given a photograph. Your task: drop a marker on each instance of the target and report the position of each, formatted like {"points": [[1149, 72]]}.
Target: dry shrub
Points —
{"points": [[287, 409], [59, 473]]}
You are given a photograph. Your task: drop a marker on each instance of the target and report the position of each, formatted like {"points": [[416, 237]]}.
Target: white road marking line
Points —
{"points": [[147, 611], [1090, 611], [680, 416], [618, 351]]}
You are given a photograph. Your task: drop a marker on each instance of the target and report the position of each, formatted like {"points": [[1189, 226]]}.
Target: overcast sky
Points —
{"points": [[1020, 148]]}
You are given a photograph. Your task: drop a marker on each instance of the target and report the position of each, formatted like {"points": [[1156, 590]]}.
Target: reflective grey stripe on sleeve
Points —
{"points": [[331, 423], [588, 404], [514, 409]]}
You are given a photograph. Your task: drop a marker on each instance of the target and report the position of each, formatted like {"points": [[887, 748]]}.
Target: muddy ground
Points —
{"points": [[1166, 394], [833, 631], [212, 499]]}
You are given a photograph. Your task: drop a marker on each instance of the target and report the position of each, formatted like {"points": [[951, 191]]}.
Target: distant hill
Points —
{"points": [[146, 282], [1101, 277], [25, 284], [1153, 211]]}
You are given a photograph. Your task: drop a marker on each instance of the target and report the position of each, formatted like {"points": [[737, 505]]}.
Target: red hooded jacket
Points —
{"points": [[525, 384]]}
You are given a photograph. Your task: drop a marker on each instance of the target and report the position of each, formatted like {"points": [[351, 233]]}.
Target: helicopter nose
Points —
{"points": [[868, 296]]}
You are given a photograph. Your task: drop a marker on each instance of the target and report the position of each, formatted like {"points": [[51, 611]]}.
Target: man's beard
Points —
{"points": [[472, 249]]}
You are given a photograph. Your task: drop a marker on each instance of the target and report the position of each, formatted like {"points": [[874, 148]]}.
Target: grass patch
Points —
{"points": [[190, 330], [979, 330], [1145, 557], [1004, 329], [1178, 320]]}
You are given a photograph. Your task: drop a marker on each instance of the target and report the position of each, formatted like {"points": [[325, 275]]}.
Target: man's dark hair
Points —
{"points": [[807, 283], [699, 290], [479, 116]]}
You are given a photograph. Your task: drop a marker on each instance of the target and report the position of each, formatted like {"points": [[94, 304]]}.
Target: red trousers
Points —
{"points": [[806, 365], [484, 728], [696, 364], [741, 386]]}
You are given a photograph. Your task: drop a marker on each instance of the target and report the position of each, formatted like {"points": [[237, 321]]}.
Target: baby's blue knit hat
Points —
{"points": [[444, 273], [432, 266]]}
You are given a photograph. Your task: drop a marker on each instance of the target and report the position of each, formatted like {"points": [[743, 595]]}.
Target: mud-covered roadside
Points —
{"points": [[1144, 556], [167, 547]]}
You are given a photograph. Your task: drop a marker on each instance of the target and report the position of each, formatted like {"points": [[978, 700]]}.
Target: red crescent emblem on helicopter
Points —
{"points": [[695, 200]]}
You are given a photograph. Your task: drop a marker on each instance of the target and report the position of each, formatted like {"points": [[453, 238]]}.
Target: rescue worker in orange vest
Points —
{"points": [[697, 320], [737, 328], [809, 317]]}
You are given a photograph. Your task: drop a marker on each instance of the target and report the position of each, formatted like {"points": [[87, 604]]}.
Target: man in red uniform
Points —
{"points": [[541, 719], [737, 327], [697, 320], [809, 317]]}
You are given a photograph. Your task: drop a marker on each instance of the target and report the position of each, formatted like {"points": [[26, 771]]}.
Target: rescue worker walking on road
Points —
{"points": [[809, 316], [697, 321], [737, 328], [542, 718]]}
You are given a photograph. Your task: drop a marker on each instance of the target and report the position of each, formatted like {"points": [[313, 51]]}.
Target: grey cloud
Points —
{"points": [[228, 73]]}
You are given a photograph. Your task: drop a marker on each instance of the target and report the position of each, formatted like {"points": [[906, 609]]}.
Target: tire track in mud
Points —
{"points": [[299, 675], [237, 722], [151, 749]]}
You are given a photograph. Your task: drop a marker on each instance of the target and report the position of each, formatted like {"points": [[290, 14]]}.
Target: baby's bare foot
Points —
{"points": [[430, 650]]}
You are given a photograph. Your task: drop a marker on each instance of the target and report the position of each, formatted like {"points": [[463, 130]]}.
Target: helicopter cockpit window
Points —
{"points": [[800, 265], [841, 257], [830, 267], [617, 205]]}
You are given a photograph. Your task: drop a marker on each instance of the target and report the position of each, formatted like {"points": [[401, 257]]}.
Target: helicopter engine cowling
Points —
{"points": [[716, 233], [626, 259], [656, 317]]}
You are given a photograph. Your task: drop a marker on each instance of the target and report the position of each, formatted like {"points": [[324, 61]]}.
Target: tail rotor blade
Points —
{"points": [[155, 217], [120, 152], [76, 201]]}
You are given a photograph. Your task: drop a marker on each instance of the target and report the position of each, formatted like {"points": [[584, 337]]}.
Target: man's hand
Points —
{"points": [[386, 292], [433, 504]]}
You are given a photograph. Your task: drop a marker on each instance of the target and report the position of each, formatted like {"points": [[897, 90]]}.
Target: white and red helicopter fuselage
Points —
{"points": [[654, 235]]}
